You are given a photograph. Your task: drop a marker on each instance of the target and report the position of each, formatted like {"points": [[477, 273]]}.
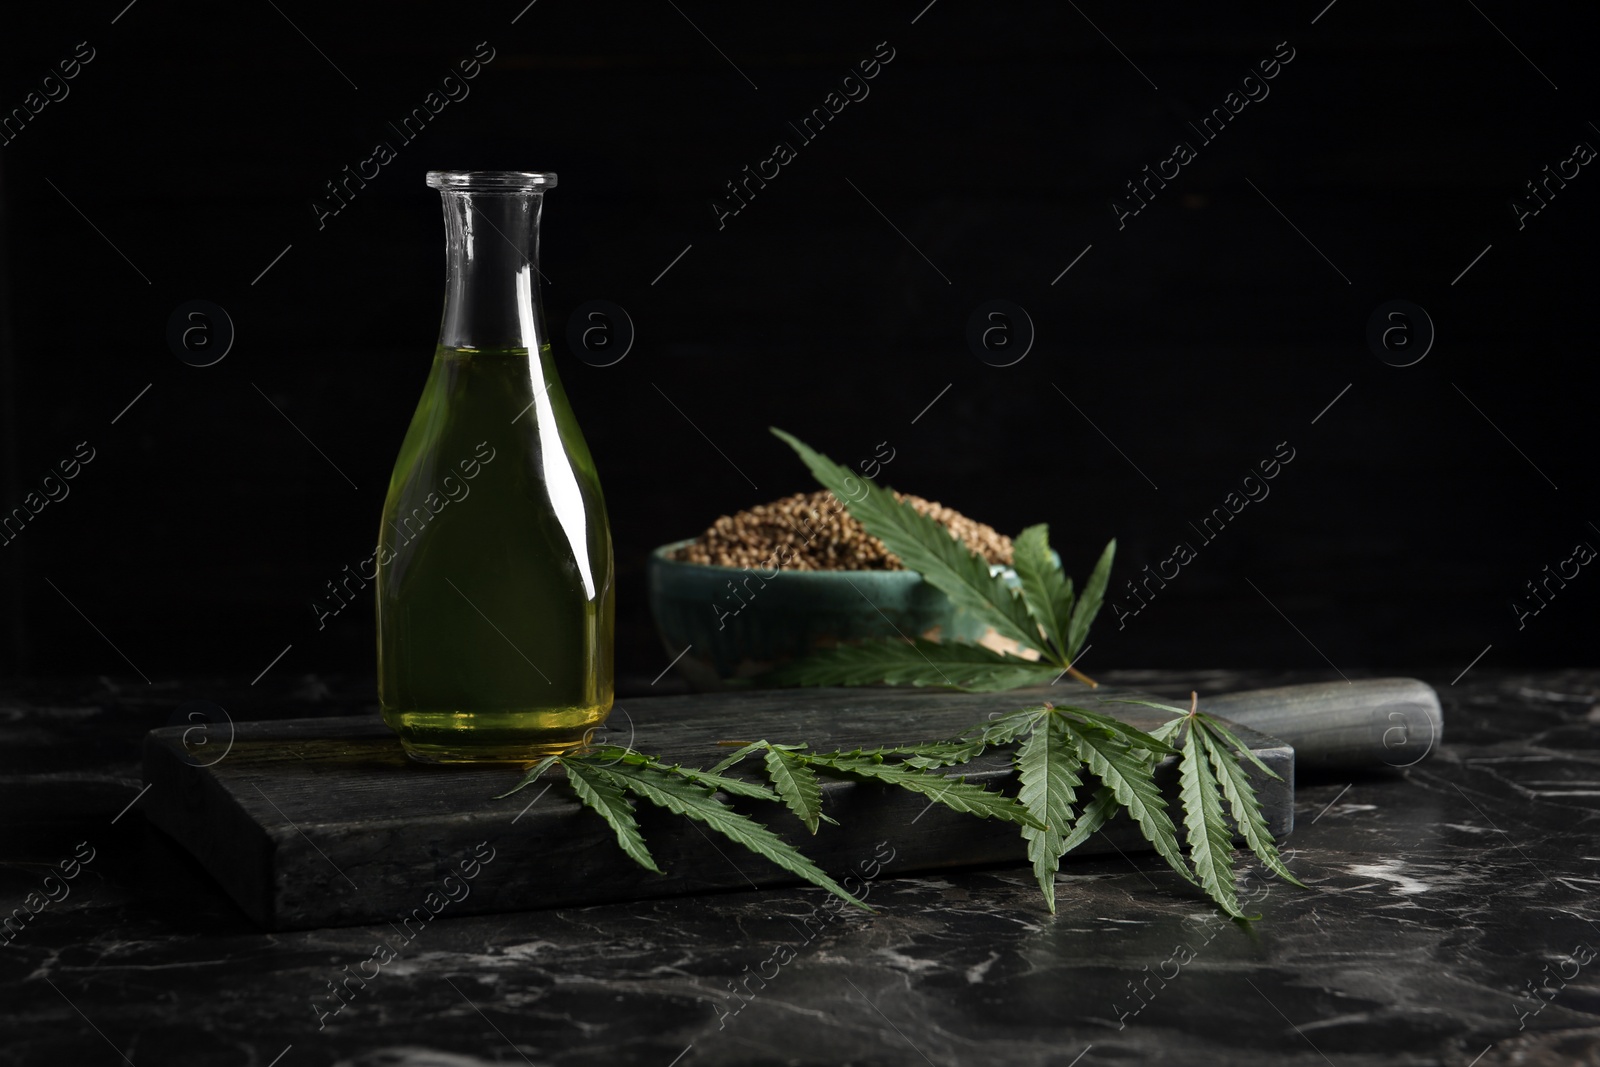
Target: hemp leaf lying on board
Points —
{"points": [[1061, 751], [1061, 745], [1044, 616], [1209, 773], [602, 775]]}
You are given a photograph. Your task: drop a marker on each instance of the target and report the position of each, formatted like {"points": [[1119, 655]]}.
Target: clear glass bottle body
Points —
{"points": [[494, 588]]}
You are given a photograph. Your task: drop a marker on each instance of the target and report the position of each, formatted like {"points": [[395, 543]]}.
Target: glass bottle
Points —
{"points": [[494, 584]]}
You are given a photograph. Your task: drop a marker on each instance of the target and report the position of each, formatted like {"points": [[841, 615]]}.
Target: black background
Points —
{"points": [[835, 305]]}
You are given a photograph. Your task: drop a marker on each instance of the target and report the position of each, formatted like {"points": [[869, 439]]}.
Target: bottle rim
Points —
{"points": [[492, 181]]}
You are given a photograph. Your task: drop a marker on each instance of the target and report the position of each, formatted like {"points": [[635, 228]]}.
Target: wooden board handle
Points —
{"points": [[1364, 725]]}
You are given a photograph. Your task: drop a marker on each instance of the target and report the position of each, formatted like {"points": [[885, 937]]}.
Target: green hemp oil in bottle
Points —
{"points": [[494, 586]]}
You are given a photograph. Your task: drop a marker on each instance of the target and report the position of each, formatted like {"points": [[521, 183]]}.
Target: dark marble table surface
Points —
{"points": [[1450, 919]]}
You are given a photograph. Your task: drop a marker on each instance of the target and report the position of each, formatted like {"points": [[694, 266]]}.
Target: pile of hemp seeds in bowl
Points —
{"points": [[812, 532]]}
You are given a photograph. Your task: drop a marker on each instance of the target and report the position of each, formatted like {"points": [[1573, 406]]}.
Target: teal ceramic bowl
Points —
{"points": [[737, 622]]}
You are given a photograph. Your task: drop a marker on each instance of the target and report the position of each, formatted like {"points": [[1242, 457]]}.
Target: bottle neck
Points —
{"points": [[492, 261]]}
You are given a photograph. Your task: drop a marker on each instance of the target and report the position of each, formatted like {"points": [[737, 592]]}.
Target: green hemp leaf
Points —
{"points": [[602, 776], [1211, 778], [1060, 752], [1043, 616], [1060, 746]]}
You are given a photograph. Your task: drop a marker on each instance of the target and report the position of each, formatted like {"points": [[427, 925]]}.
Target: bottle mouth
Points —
{"points": [[491, 181]]}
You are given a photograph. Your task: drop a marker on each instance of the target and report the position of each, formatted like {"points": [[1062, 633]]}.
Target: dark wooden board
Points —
{"points": [[325, 822]]}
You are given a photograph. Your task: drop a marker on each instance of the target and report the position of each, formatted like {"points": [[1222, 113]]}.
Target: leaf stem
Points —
{"points": [[1084, 678]]}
